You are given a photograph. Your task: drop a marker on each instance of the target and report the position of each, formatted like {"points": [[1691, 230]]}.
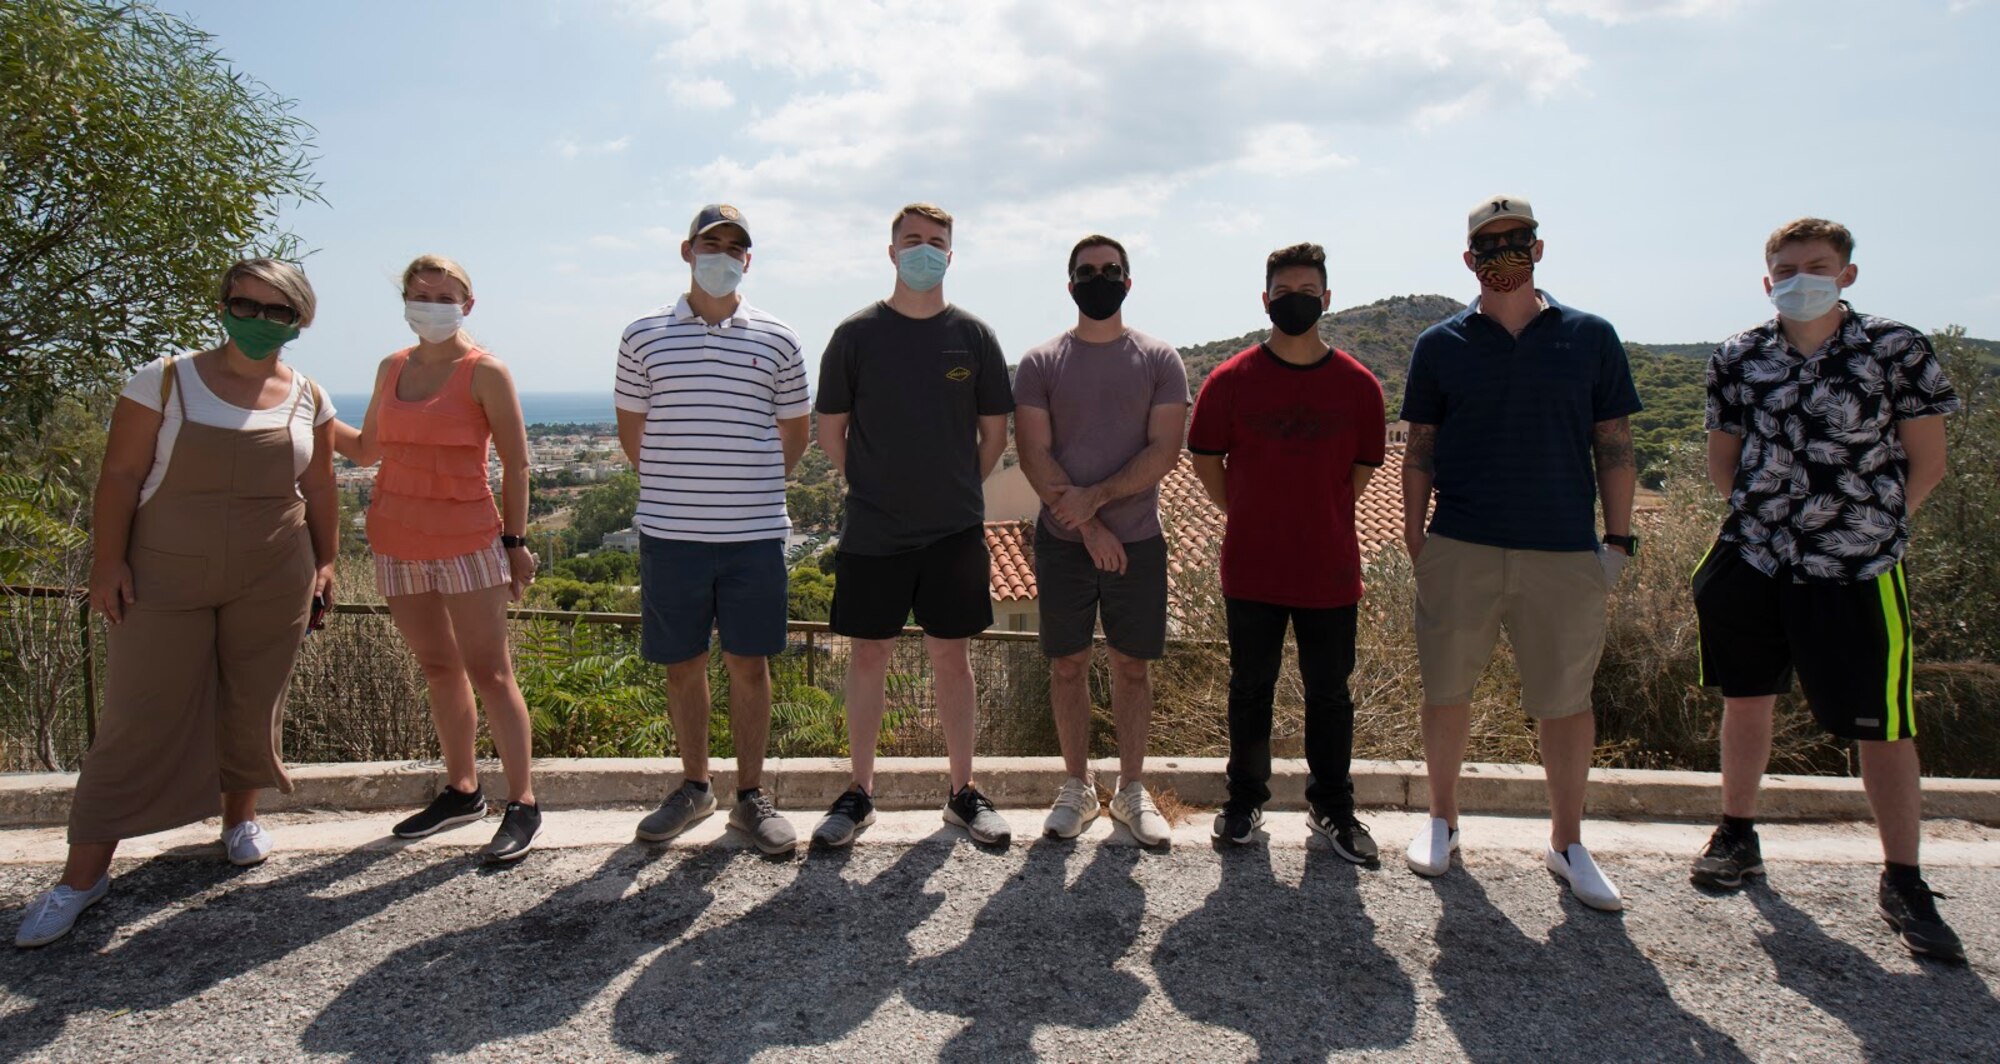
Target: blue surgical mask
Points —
{"points": [[921, 267], [717, 274], [1805, 296]]}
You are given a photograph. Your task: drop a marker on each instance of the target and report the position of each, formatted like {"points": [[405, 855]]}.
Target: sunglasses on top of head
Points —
{"points": [[271, 312]]}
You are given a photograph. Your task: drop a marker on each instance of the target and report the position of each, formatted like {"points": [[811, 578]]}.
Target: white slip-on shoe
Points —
{"points": [[1076, 806], [1430, 851], [1588, 882], [247, 844], [54, 912], [1134, 808]]}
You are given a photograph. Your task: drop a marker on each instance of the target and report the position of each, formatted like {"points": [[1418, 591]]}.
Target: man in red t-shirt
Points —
{"points": [[1285, 436]]}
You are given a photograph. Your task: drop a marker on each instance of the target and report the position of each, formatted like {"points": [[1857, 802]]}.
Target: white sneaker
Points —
{"points": [[1134, 808], [1585, 879], [247, 844], [54, 912], [1430, 851], [1076, 806]]}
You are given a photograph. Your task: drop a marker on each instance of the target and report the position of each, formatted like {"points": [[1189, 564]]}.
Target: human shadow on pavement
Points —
{"points": [[1295, 968], [196, 948], [1588, 993], [806, 966], [1944, 1011], [1040, 953], [530, 972]]}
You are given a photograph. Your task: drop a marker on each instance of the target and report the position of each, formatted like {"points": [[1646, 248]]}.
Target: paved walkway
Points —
{"points": [[917, 945]]}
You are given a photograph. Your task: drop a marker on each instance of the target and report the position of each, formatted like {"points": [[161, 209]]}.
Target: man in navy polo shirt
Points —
{"points": [[1517, 409]]}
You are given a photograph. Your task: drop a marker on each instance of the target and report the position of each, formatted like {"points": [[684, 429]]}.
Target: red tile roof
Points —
{"points": [[1194, 533], [1012, 544]]}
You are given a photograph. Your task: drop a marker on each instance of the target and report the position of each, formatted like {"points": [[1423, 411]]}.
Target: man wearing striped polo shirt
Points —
{"points": [[712, 412]]}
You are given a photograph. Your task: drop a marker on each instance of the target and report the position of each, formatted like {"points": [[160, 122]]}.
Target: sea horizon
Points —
{"points": [[537, 408]]}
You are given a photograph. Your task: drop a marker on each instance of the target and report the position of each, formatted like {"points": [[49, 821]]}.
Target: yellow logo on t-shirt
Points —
{"points": [[957, 373]]}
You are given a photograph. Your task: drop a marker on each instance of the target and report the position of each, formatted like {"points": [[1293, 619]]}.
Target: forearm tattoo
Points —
{"points": [[1611, 443], [1420, 453]]}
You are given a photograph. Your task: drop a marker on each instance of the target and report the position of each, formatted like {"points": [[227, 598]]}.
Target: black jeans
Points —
{"points": [[1326, 659]]}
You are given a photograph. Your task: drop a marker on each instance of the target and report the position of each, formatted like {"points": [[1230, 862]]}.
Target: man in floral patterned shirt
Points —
{"points": [[1825, 432]]}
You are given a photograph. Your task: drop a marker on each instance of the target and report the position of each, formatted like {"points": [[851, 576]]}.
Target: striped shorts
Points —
{"points": [[447, 576]]}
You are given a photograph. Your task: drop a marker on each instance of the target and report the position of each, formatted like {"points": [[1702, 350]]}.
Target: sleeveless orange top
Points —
{"points": [[432, 499]]}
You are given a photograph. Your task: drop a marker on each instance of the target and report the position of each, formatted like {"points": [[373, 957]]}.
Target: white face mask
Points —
{"points": [[434, 322], [717, 274], [1805, 296]]}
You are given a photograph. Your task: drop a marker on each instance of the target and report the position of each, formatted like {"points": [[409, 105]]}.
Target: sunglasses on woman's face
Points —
{"points": [[1111, 272], [272, 312]]}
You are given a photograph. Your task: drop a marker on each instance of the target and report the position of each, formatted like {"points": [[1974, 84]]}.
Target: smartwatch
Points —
{"points": [[510, 542], [1630, 544]]}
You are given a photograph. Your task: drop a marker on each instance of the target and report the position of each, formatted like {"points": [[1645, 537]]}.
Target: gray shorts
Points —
{"points": [[1074, 592]]}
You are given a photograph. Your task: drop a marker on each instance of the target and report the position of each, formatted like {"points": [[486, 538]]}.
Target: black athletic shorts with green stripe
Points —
{"points": [[1849, 643]]}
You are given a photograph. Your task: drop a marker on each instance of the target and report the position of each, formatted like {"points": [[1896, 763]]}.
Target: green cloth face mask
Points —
{"points": [[256, 338]]}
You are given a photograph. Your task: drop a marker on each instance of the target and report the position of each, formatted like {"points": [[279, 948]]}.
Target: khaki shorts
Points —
{"points": [[1551, 604]]}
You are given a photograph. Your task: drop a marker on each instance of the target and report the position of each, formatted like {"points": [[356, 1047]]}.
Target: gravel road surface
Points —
{"points": [[917, 945]]}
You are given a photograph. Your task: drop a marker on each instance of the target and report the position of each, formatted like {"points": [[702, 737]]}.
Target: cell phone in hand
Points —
{"points": [[317, 620]]}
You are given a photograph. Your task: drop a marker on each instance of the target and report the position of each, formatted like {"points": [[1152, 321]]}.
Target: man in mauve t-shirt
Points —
{"points": [[1097, 418], [1284, 438]]}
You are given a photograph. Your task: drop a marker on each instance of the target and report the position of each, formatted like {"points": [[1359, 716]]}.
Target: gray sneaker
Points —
{"points": [[682, 810], [756, 817], [54, 912], [974, 812], [851, 812]]}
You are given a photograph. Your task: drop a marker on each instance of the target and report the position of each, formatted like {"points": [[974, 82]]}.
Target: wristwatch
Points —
{"points": [[510, 542], [1630, 544]]}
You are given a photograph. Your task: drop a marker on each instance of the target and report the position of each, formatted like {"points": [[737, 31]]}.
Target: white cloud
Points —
{"points": [[1614, 12], [1289, 147], [570, 147], [1030, 118], [706, 94]]}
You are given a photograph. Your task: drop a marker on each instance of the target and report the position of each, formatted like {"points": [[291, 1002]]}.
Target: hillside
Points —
{"points": [[1380, 335]]}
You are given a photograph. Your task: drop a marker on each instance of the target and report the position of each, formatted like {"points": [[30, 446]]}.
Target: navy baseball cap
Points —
{"points": [[718, 214]]}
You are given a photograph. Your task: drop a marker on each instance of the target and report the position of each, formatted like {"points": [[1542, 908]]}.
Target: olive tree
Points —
{"points": [[135, 163]]}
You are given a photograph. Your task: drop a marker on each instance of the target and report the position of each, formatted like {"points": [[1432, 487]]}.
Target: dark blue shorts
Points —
{"points": [[686, 589]]}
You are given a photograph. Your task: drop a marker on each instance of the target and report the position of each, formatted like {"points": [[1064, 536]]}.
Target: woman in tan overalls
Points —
{"points": [[215, 528]]}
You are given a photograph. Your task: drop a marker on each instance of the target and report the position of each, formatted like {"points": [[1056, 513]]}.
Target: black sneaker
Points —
{"points": [[518, 829], [1912, 914], [974, 812], [449, 809], [1729, 857], [1238, 823], [1350, 837], [851, 812]]}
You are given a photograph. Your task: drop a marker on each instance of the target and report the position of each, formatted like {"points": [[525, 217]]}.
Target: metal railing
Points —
{"points": [[357, 694]]}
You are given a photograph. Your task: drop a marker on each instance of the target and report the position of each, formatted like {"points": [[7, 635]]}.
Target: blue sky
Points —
{"points": [[558, 150]]}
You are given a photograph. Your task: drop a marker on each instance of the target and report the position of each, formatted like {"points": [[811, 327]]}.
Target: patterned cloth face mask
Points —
{"points": [[1504, 261]]}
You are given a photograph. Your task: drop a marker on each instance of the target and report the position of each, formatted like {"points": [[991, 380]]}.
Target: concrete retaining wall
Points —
{"points": [[1029, 782]]}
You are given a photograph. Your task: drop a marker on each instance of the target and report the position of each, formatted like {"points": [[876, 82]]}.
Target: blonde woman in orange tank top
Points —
{"points": [[446, 560]]}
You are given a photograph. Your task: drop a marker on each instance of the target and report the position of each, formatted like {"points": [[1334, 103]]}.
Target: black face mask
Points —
{"points": [[1098, 298], [1296, 313]]}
